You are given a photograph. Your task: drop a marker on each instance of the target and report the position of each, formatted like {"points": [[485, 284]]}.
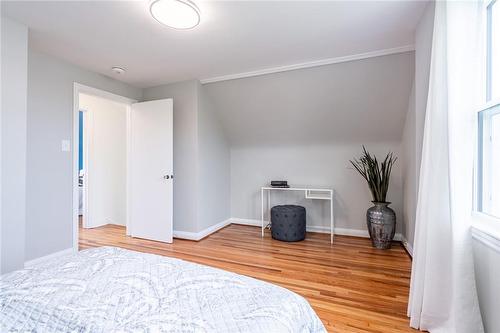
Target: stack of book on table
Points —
{"points": [[279, 183]]}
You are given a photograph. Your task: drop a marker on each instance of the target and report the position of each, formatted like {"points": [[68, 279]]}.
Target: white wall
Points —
{"points": [[14, 54], [316, 165], [49, 226], [415, 118], [106, 128], [487, 271]]}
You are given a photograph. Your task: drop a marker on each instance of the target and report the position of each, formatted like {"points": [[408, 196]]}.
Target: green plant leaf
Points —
{"points": [[376, 174]]}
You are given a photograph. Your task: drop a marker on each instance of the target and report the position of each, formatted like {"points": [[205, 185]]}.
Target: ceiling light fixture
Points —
{"points": [[118, 70], [177, 14]]}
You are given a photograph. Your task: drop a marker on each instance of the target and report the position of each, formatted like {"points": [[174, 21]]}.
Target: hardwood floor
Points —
{"points": [[350, 285]]}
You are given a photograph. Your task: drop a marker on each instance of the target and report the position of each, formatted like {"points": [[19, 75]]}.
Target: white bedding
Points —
{"points": [[115, 290]]}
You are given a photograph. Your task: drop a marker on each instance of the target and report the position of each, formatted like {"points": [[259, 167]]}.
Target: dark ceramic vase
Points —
{"points": [[381, 221]]}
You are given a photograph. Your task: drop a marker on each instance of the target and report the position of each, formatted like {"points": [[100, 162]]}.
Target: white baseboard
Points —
{"points": [[486, 238], [252, 222], [407, 245], [309, 228], [346, 232], [314, 228], [196, 236], [339, 231], [186, 235], [37, 261]]}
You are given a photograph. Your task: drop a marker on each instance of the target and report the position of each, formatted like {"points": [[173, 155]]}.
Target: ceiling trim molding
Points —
{"points": [[316, 63]]}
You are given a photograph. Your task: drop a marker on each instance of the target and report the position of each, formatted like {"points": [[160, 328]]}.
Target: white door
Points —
{"points": [[151, 170]]}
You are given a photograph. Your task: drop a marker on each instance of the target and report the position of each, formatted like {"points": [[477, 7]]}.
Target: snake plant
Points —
{"points": [[376, 174]]}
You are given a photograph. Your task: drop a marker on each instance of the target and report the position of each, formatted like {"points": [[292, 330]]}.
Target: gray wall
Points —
{"points": [[201, 157], [315, 165], [49, 170], [185, 99], [213, 165], [415, 118], [338, 103], [409, 172], [305, 125], [13, 144], [423, 50]]}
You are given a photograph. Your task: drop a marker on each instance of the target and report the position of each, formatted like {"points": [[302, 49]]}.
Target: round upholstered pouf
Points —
{"points": [[288, 223]]}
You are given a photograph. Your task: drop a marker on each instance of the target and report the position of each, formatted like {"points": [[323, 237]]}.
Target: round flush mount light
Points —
{"points": [[177, 14], [118, 70]]}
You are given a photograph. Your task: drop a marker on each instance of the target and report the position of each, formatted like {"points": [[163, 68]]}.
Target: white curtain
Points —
{"points": [[443, 294]]}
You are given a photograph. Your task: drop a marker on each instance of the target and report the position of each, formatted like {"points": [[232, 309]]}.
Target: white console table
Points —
{"points": [[309, 193]]}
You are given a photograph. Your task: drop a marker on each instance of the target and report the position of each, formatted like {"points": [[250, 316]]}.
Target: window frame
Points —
{"points": [[482, 221], [489, 51], [479, 166]]}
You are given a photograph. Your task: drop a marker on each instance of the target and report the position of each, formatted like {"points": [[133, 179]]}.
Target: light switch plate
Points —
{"points": [[65, 145]]}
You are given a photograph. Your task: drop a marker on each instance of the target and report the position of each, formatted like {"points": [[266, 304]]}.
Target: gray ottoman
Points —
{"points": [[288, 223]]}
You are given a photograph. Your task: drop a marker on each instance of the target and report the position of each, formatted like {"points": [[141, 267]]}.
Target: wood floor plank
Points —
{"points": [[352, 287]]}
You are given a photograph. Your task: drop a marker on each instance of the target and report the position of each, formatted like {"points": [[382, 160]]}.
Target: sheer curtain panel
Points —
{"points": [[443, 294]]}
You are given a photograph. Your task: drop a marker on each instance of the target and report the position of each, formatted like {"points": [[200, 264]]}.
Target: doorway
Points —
{"points": [[122, 165], [102, 179]]}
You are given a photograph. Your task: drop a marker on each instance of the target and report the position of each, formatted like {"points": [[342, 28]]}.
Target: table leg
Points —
{"points": [[262, 211], [331, 220], [268, 208]]}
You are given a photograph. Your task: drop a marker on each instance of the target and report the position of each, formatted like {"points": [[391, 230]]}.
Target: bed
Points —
{"points": [[110, 289]]}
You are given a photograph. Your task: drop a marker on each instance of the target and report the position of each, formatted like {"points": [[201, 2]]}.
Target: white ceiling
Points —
{"points": [[233, 37]]}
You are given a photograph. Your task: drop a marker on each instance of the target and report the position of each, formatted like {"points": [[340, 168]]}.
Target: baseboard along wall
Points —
{"points": [[407, 245], [31, 263], [196, 236]]}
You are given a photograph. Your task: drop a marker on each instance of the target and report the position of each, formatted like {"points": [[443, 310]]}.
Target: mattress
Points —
{"points": [[110, 289]]}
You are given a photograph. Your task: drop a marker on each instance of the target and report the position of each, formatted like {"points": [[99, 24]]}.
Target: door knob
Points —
{"points": [[166, 177]]}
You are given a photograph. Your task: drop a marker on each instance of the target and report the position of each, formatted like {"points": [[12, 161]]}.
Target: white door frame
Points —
{"points": [[77, 90], [85, 164]]}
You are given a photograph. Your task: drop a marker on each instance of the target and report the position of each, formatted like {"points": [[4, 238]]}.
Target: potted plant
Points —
{"points": [[380, 219]]}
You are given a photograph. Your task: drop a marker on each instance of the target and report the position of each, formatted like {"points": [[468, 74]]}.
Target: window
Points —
{"points": [[488, 156], [493, 50], [488, 200]]}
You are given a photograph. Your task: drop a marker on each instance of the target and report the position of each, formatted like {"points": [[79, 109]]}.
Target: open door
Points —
{"points": [[151, 170]]}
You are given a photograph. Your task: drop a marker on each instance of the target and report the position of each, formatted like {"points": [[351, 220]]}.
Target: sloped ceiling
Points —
{"points": [[357, 101]]}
